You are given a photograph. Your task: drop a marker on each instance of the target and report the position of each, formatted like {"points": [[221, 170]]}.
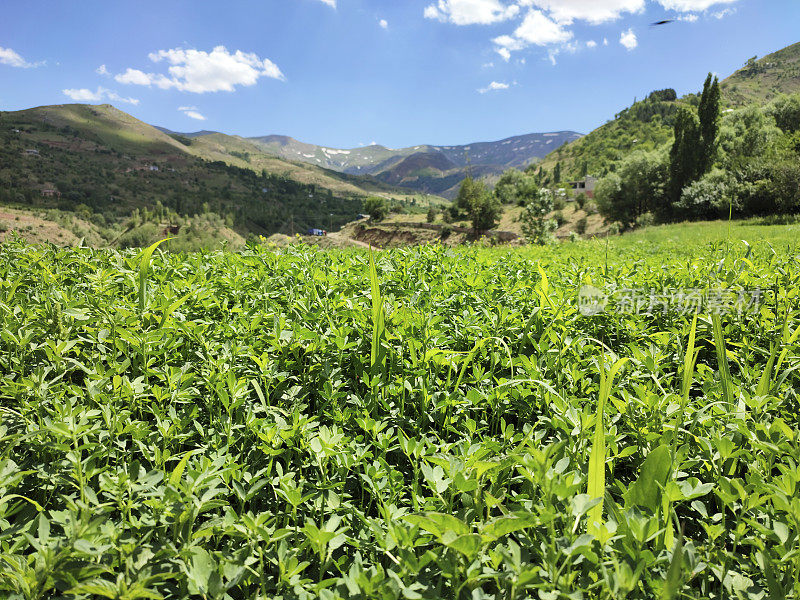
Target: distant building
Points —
{"points": [[50, 193], [585, 186], [32, 152], [153, 168], [317, 232]]}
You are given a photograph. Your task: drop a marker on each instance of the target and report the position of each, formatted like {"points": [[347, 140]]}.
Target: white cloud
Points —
{"points": [[200, 72], [100, 94], [471, 12], [331, 3], [192, 112], [723, 13], [593, 11], [628, 39], [101, 70], [605, 41], [384, 23], [692, 5], [12, 59], [689, 17], [495, 86], [591, 44], [536, 29]]}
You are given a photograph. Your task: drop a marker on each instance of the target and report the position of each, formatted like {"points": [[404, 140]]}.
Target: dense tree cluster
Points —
{"points": [[740, 162]]}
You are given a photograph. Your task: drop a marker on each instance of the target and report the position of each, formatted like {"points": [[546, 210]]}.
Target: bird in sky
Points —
{"points": [[665, 22]]}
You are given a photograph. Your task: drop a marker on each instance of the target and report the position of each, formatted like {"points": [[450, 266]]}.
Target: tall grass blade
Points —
{"points": [[722, 360], [596, 487], [378, 319], [144, 267]]}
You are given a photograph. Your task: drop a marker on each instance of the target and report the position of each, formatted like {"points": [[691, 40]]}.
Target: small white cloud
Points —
{"points": [[192, 112], [536, 29], [591, 44], [594, 11], [505, 53], [100, 94], [692, 5], [471, 12], [689, 17], [495, 86], [331, 3], [723, 13], [101, 70], [12, 59], [628, 39], [605, 41], [384, 23], [199, 72]]}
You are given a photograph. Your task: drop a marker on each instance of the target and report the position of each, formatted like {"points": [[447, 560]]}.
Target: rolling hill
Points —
{"points": [[107, 165], [761, 80], [647, 124]]}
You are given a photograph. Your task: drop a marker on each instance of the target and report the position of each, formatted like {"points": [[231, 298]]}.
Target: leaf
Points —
{"points": [[438, 523], [378, 319], [469, 545], [177, 473], [674, 580], [596, 485], [144, 265], [722, 360], [646, 490], [501, 526]]}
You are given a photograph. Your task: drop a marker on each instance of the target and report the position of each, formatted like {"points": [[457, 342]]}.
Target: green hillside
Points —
{"points": [[647, 125], [104, 164], [107, 166], [761, 80]]}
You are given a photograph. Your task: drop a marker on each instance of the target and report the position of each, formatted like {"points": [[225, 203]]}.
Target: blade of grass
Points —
{"points": [[378, 319], [596, 486], [144, 266]]}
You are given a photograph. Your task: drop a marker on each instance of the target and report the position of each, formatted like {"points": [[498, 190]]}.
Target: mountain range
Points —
{"points": [[436, 170]]}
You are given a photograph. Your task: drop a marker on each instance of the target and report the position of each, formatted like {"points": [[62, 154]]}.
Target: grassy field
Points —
{"points": [[425, 423]]}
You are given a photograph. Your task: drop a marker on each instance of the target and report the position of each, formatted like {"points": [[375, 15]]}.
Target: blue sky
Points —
{"points": [[346, 73]]}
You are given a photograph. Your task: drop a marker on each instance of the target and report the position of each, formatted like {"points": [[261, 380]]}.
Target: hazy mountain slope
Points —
{"points": [[243, 153], [761, 80], [511, 152], [425, 173], [105, 164]]}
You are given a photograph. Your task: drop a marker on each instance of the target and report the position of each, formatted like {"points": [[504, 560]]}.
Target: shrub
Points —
{"points": [[560, 203], [582, 225], [590, 208], [581, 200], [559, 218], [645, 220]]}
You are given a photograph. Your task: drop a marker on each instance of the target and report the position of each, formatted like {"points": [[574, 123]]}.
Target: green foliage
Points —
{"points": [[636, 188], [430, 217], [482, 207], [785, 110], [508, 186], [537, 226], [376, 208], [422, 423]]}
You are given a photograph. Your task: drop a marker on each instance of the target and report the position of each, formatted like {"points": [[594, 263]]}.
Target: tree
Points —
{"points": [[431, 216], [376, 208], [508, 185], [684, 157], [635, 189], [708, 113], [536, 226], [557, 173], [786, 111], [479, 203]]}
